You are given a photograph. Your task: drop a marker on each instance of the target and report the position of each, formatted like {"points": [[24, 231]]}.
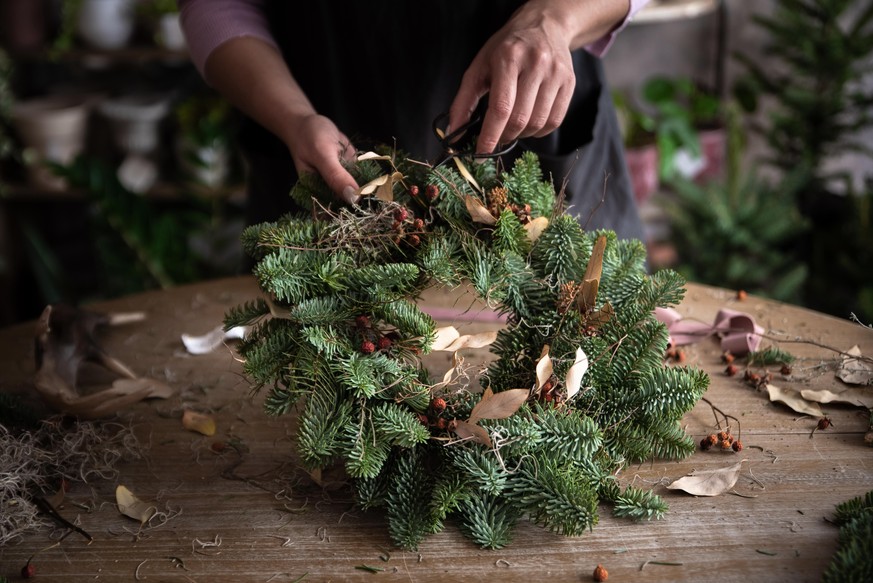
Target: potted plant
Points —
{"points": [[163, 17], [738, 231], [204, 141], [819, 95], [689, 129], [641, 152]]}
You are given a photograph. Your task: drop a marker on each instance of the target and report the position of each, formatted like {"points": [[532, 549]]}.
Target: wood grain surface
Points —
{"points": [[250, 514]]}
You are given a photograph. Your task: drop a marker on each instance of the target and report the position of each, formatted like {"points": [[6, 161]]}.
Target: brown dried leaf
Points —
{"points": [[498, 405], [371, 186], [794, 400], [385, 192], [535, 228], [852, 396], [472, 341], [709, 482], [199, 422], [466, 174], [473, 432], [131, 506], [478, 212], [600, 317], [853, 371], [372, 156], [573, 380], [444, 337], [587, 297], [544, 367]]}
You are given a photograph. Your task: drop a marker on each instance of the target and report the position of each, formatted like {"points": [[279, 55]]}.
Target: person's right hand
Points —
{"points": [[317, 145]]}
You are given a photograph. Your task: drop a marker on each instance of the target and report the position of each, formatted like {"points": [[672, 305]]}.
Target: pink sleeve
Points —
{"points": [[599, 47], [210, 23]]}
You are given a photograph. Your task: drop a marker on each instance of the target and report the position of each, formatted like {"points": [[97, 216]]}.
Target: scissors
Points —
{"points": [[454, 147]]}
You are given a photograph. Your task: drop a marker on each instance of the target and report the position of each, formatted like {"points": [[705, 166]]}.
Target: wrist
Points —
{"points": [[576, 23]]}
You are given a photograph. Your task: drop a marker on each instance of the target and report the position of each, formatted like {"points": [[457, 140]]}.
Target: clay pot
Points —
{"points": [[52, 129], [642, 163], [106, 24]]}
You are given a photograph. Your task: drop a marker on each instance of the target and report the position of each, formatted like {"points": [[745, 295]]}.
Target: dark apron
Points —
{"points": [[382, 71]]}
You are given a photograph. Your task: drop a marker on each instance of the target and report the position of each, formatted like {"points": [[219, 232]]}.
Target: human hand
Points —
{"points": [[317, 145], [527, 71]]}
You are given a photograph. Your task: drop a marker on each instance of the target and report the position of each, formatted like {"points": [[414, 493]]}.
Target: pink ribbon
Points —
{"points": [[738, 331]]}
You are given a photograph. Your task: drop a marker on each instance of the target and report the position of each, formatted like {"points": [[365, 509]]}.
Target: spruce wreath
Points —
{"points": [[579, 387]]}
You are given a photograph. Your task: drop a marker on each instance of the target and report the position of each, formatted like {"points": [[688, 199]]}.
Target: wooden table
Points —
{"points": [[256, 518]]}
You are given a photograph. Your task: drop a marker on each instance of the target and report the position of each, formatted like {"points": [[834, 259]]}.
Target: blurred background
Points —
{"points": [[748, 130]]}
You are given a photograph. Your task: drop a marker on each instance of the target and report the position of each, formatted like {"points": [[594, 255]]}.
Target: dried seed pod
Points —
{"points": [[727, 357], [741, 295], [431, 192], [438, 405], [384, 343], [367, 347], [705, 445], [737, 446], [824, 423], [725, 444], [731, 370]]}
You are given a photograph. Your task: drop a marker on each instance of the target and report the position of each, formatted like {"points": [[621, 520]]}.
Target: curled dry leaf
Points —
{"points": [[794, 400], [851, 396], [544, 367], [473, 432], [478, 212], [131, 506], [709, 482], [573, 380], [462, 168], [444, 337], [208, 342], [199, 422], [498, 405], [372, 156], [383, 186], [276, 310], [853, 371], [535, 228], [472, 341]]}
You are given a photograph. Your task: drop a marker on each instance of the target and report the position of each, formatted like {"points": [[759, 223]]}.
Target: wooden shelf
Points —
{"points": [[671, 10], [163, 192]]}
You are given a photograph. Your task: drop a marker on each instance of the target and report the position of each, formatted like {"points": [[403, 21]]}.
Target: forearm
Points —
{"points": [[252, 75], [578, 22]]}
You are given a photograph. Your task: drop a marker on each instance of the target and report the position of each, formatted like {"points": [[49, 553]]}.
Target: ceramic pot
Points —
{"points": [[169, 34], [135, 124], [642, 163], [106, 24], [205, 165], [52, 129]]}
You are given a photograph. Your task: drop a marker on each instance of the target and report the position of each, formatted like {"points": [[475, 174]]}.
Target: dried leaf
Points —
{"points": [[794, 400], [478, 212], [600, 317], [852, 396], [535, 228], [153, 388], [709, 482], [466, 174], [472, 341], [383, 186], [457, 363], [276, 310], [372, 156], [587, 297], [213, 339], [498, 405], [573, 380], [473, 432], [853, 371], [199, 422], [444, 337], [131, 506], [544, 367]]}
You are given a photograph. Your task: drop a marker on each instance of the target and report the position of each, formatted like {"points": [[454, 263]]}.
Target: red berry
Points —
{"points": [[367, 347], [438, 405], [737, 446], [431, 192], [401, 214], [418, 225], [422, 419], [786, 370], [731, 370], [725, 444], [824, 423], [28, 571], [413, 190], [600, 574], [722, 435], [413, 240], [442, 424], [727, 357], [384, 343], [362, 322], [742, 295], [704, 444]]}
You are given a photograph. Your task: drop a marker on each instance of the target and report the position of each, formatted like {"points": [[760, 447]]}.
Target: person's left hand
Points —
{"points": [[527, 71]]}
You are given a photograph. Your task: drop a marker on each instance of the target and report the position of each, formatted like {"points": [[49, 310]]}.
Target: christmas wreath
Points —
{"points": [[579, 388]]}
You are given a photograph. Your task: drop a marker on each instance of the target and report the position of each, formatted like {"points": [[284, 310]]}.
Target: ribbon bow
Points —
{"points": [[738, 331]]}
